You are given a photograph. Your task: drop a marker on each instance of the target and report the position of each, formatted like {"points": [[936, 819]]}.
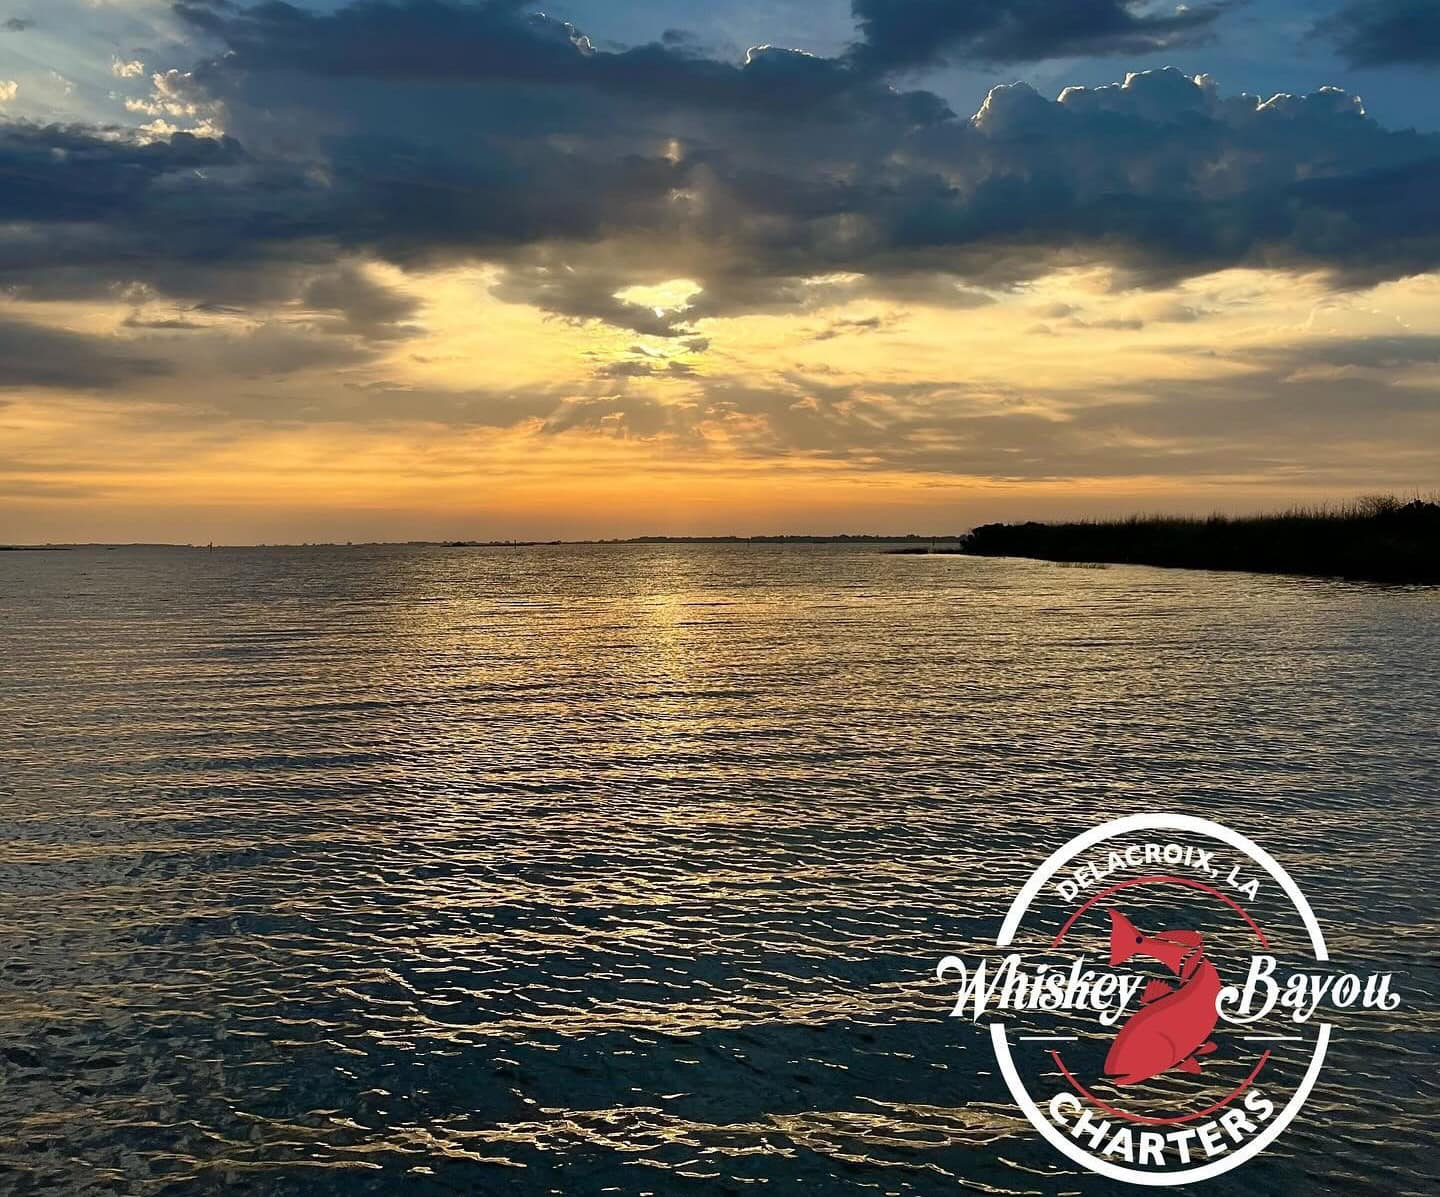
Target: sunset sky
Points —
{"points": [[431, 269]]}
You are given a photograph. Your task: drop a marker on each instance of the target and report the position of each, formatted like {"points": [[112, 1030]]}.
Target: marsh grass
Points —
{"points": [[1377, 538]]}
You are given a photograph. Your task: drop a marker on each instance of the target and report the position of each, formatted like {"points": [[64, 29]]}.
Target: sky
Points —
{"points": [[428, 269]]}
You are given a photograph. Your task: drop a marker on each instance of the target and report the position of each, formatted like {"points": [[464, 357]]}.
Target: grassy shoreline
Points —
{"points": [[1377, 539]]}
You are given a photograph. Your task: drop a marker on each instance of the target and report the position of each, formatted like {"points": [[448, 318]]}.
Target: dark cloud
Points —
{"points": [[70, 175], [270, 349], [852, 327], [504, 41], [744, 293], [1386, 32], [429, 133], [641, 367], [355, 305], [898, 34], [1374, 353], [492, 130], [273, 349], [90, 210], [585, 292], [1164, 176], [16, 24], [33, 355]]}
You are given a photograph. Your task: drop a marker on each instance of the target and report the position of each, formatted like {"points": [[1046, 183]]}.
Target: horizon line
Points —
{"points": [[646, 538]]}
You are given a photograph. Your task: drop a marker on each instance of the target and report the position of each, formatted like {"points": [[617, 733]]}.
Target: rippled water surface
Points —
{"points": [[625, 869]]}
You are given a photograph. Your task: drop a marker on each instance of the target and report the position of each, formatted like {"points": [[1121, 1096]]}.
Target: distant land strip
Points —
{"points": [[915, 538]]}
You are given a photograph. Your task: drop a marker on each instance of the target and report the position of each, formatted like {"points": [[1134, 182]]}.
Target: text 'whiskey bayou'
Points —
{"points": [[1159, 1000]]}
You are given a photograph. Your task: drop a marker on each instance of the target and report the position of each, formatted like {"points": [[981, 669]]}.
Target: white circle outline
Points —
{"points": [[1001, 1043]]}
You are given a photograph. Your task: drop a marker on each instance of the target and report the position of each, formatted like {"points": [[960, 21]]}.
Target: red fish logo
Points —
{"points": [[1199, 1074], [1173, 1025]]}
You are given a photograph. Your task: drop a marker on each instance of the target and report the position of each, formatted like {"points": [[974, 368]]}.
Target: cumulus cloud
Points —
{"points": [[430, 133], [127, 70], [1386, 32], [899, 34], [8, 90], [505, 41]]}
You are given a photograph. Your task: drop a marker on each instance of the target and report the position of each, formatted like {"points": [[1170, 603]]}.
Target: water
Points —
{"points": [[589, 870]]}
